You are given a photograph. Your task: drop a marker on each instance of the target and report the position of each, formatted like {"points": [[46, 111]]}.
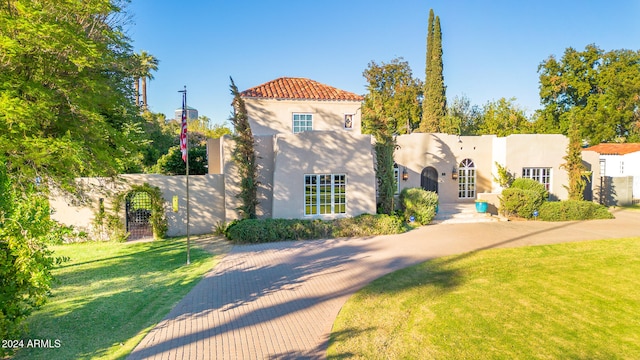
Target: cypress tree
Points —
{"points": [[435, 103], [574, 166], [245, 157]]}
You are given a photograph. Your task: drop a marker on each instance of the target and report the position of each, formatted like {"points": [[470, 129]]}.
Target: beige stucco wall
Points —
{"points": [[445, 152], [272, 116], [215, 155], [264, 148], [318, 152], [205, 193], [540, 151]]}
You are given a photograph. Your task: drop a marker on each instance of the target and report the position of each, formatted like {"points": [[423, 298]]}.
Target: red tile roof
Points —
{"points": [[299, 89], [615, 149]]}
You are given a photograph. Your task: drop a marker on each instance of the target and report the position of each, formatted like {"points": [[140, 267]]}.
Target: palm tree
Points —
{"points": [[145, 64]]}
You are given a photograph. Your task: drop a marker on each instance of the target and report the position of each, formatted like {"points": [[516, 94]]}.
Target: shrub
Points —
{"points": [[573, 210], [250, 231], [519, 202], [530, 184], [419, 203], [366, 224]]}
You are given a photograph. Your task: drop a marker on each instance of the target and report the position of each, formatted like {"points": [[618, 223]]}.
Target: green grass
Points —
{"points": [[568, 301], [109, 295]]}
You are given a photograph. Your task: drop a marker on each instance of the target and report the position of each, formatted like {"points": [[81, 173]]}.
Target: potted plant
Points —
{"points": [[482, 205]]}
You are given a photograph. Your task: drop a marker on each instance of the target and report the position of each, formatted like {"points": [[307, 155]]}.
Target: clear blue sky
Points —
{"points": [[492, 49]]}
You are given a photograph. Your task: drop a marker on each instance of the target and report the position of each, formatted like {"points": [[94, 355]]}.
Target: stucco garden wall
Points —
{"points": [[205, 192]]}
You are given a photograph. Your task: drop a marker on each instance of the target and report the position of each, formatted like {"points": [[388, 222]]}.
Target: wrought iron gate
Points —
{"points": [[138, 219]]}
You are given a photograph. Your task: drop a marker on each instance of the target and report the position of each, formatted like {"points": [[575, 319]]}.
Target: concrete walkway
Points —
{"points": [[279, 301]]}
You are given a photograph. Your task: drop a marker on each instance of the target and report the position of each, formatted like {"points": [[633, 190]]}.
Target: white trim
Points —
{"points": [[305, 127], [316, 194], [351, 118]]}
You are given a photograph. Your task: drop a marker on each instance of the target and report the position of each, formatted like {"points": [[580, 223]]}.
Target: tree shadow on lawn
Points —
{"points": [[112, 313]]}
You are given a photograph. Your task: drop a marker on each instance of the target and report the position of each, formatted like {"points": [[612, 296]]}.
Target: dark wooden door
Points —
{"points": [[429, 179]]}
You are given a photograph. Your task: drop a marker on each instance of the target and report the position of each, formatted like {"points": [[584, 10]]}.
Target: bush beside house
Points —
{"points": [[523, 198], [251, 231], [526, 196], [419, 204], [573, 210]]}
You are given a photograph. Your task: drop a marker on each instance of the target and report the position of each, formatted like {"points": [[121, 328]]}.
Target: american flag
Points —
{"points": [[183, 132]]}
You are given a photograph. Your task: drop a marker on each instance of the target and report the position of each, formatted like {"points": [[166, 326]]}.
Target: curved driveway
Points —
{"points": [[279, 301]]}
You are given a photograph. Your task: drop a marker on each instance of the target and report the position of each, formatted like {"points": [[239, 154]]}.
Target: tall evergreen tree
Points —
{"points": [[244, 156], [435, 102], [574, 166]]}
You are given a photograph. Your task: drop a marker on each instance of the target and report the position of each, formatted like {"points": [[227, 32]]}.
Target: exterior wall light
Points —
{"points": [[405, 174], [454, 173]]}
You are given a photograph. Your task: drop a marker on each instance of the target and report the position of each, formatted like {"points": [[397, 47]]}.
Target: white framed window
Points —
{"points": [[541, 175], [467, 179], [621, 167], [325, 194], [348, 121], [603, 167], [302, 122]]}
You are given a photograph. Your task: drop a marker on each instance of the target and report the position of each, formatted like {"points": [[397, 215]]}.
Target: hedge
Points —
{"points": [[252, 231], [573, 210]]}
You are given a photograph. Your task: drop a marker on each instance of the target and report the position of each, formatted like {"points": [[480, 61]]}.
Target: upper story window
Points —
{"points": [[302, 122], [348, 121]]}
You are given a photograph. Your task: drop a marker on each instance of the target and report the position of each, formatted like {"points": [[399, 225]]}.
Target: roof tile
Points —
{"points": [[615, 149], [299, 89]]}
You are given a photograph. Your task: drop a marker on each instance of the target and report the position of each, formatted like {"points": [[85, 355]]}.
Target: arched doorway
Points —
{"points": [[429, 179], [467, 179], [138, 219]]}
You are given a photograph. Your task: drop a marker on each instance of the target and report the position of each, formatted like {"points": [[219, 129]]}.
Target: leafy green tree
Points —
{"points": [[66, 107], [171, 163], [502, 118], [435, 100], [66, 110], [391, 107], [393, 98], [244, 156], [596, 89], [203, 126], [462, 118], [160, 136]]}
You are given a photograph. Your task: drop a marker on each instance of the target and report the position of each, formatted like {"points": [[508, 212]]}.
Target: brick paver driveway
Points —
{"points": [[279, 301]]}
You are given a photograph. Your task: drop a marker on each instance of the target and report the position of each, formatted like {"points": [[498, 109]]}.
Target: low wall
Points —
{"points": [[614, 191], [206, 194]]}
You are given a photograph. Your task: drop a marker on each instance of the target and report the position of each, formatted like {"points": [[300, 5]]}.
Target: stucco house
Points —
{"points": [[315, 163], [313, 160], [619, 165]]}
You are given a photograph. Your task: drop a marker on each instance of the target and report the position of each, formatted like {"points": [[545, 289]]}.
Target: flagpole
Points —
{"points": [[184, 134]]}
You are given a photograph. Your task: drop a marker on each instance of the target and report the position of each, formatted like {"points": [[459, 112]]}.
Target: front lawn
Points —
{"points": [[568, 301], [109, 295]]}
